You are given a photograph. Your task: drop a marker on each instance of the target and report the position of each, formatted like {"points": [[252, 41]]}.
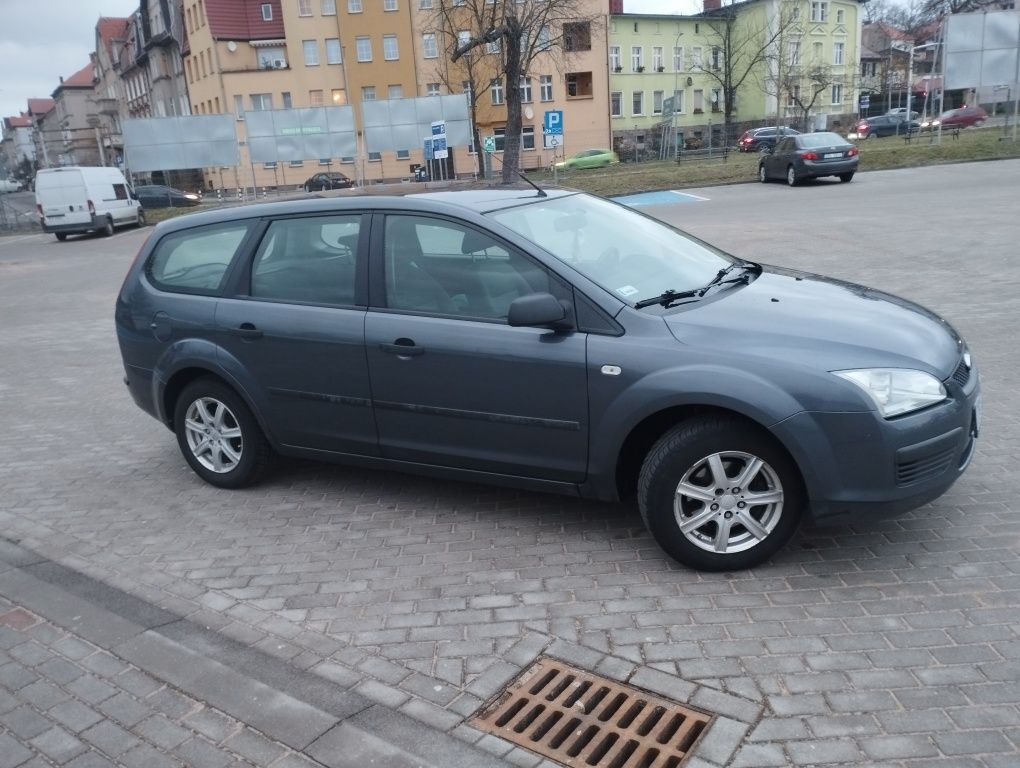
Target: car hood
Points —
{"points": [[818, 321]]}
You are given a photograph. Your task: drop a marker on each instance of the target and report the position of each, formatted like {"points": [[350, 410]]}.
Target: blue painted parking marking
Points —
{"points": [[665, 197]]}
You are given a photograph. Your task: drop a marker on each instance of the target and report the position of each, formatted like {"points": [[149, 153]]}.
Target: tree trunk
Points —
{"points": [[512, 138]]}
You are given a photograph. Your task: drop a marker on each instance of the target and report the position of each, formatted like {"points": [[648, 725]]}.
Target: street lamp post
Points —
{"points": [[676, 85], [910, 73]]}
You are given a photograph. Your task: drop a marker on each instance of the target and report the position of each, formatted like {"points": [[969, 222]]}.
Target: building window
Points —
{"points": [[333, 50], [311, 48], [793, 96], [389, 5], [296, 164], [239, 107], [527, 137], [616, 104], [339, 97], [375, 157], [287, 103], [403, 154], [463, 38], [492, 47], [395, 92], [499, 134], [795, 13], [304, 8], [579, 85], [678, 58], [353, 6], [577, 36], [425, 5], [432, 89], [496, 91], [368, 93], [261, 102], [272, 58], [837, 53], [429, 47], [525, 89], [270, 166], [324, 161], [696, 57], [657, 64], [678, 102], [328, 8], [819, 10], [637, 103], [840, 16], [699, 101], [717, 100], [614, 58], [267, 12], [543, 42], [795, 53], [717, 58], [837, 93], [364, 45], [315, 98], [389, 47], [545, 88], [656, 102], [636, 64]]}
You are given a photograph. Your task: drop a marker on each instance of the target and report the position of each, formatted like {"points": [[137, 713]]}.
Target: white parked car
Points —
{"points": [[902, 112], [9, 185]]}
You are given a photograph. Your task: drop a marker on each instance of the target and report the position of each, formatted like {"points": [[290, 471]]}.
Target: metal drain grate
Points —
{"points": [[578, 718]]}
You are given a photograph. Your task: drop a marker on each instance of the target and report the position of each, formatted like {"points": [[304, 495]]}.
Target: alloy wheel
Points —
{"points": [[213, 435]]}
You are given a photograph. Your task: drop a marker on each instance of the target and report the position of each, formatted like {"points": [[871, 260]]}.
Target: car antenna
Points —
{"points": [[529, 182]]}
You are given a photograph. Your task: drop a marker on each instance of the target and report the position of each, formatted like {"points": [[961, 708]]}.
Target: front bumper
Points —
{"points": [[860, 465]]}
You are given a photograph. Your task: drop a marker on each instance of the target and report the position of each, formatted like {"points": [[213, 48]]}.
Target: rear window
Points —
{"points": [[196, 260]]}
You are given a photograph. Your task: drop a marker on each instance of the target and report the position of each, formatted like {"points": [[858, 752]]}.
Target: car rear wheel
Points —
{"points": [[791, 176], [140, 219], [61, 236], [219, 436], [762, 176], [717, 494], [107, 229], [846, 177]]}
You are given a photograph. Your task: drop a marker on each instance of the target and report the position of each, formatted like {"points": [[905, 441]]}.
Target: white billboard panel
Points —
{"points": [[172, 143], [983, 49]]}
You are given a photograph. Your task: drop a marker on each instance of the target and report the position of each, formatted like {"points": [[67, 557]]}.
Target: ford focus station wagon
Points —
{"points": [[548, 340]]}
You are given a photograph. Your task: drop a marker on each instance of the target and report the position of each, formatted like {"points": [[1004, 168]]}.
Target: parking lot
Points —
{"points": [[891, 643]]}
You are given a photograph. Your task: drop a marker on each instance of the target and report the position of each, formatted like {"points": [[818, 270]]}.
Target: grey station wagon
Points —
{"points": [[546, 340]]}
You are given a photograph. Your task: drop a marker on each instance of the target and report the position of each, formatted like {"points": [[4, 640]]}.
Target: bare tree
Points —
{"points": [[738, 54], [514, 33], [804, 91]]}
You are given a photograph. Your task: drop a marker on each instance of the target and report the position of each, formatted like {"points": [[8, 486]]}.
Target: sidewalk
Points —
{"points": [[92, 677]]}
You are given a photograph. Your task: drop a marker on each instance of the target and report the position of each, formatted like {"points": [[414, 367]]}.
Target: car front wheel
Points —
{"points": [[219, 436], [718, 495], [762, 176], [791, 176]]}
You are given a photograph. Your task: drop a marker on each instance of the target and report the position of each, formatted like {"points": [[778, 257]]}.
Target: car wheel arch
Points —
{"points": [[185, 375]]}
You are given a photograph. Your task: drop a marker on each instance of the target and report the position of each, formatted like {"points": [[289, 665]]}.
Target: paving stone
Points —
{"points": [[25, 722], [110, 738], [11, 752], [894, 747], [74, 716], [58, 745]]}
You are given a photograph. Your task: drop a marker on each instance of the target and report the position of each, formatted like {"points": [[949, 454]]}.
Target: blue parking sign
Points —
{"points": [[553, 122]]}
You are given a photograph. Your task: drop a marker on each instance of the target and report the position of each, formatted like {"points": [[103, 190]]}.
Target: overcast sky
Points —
{"points": [[44, 40]]}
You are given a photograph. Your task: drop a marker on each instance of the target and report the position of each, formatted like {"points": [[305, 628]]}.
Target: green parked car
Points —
{"points": [[590, 158]]}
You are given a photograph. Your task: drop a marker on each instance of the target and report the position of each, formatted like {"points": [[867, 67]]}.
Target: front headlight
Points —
{"points": [[897, 390]]}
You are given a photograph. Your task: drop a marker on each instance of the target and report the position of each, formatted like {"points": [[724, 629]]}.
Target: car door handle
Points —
{"points": [[247, 331], [402, 348]]}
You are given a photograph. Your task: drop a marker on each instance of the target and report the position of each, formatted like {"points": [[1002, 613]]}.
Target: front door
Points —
{"points": [[452, 383], [297, 327]]}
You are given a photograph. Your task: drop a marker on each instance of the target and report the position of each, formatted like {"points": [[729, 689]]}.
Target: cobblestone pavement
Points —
{"points": [[887, 643]]}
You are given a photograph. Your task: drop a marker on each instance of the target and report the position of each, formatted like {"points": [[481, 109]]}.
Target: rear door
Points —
{"points": [[294, 324], [63, 197]]}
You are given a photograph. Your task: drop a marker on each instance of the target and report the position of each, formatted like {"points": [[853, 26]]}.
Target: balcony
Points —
{"points": [[107, 106]]}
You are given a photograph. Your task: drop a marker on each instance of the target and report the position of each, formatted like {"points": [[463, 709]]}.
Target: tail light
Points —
{"points": [[808, 155], [853, 152], [863, 127], [92, 208]]}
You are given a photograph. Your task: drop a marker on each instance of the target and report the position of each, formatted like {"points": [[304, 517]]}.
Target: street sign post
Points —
{"points": [[489, 144], [552, 141], [553, 123]]}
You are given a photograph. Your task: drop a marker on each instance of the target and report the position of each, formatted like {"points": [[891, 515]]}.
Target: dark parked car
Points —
{"points": [[160, 196], [963, 117], [882, 125], [323, 181], [809, 156], [553, 341], [761, 139]]}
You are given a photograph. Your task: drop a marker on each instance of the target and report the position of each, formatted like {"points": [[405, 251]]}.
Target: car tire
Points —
{"points": [[61, 236], [307, 188], [791, 176], [873, 135], [693, 468], [140, 219], [846, 178], [762, 176], [107, 229], [219, 436]]}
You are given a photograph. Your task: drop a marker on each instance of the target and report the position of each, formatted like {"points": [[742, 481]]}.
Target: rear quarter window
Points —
{"points": [[196, 260]]}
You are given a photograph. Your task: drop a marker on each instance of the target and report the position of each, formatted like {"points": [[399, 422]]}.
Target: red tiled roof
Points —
{"points": [[18, 122], [40, 106], [80, 79], [110, 28], [242, 20]]}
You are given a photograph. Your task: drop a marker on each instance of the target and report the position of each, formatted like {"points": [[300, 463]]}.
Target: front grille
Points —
{"points": [[962, 374], [581, 719], [917, 470]]}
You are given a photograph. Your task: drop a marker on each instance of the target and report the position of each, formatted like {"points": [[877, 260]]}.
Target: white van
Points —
{"points": [[85, 199]]}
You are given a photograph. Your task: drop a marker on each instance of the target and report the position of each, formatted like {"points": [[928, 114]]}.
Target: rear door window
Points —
{"points": [[196, 260]]}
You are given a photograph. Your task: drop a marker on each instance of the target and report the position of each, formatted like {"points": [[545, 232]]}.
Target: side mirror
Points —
{"points": [[536, 310]]}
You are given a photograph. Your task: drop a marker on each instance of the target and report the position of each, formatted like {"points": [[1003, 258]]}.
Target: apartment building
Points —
{"points": [[81, 142], [18, 144]]}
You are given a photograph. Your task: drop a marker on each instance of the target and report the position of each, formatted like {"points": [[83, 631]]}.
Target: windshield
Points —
{"points": [[630, 255]]}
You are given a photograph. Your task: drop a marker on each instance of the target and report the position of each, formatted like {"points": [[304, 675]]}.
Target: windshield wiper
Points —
{"points": [[720, 276], [668, 297]]}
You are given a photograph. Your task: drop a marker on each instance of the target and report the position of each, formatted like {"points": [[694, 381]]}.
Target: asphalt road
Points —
{"points": [[892, 643]]}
